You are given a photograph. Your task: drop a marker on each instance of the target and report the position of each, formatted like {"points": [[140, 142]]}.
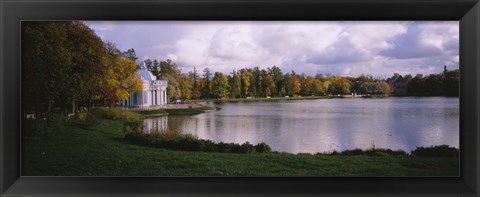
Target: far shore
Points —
{"points": [[194, 101]]}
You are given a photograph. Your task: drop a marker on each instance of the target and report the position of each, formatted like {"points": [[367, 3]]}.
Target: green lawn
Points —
{"points": [[102, 151]]}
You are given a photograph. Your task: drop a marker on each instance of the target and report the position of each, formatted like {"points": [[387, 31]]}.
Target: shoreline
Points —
{"points": [[194, 101]]}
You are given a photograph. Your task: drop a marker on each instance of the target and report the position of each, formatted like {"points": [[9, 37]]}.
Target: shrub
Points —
{"points": [[188, 142], [262, 148], [247, 148], [43, 125], [34, 128], [384, 152], [353, 152], [134, 121], [436, 151]]}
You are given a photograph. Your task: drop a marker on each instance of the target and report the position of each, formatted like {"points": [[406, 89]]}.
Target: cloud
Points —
{"points": [[424, 40], [311, 47]]}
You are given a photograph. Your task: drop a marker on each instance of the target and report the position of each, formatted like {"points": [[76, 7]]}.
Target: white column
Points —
{"points": [[158, 97], [165, 100]]}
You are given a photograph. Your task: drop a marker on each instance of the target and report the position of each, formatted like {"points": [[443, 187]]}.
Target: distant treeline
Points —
{"points": [[273, 82]]}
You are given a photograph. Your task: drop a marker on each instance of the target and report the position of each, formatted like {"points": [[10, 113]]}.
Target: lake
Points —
{"points": [[325, 125]]}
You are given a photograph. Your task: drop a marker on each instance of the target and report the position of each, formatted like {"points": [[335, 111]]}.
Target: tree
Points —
{"points": [[153, 67], [309, 86], [317, 87], [88, 66], [169, 71], [196, 88], [296, 86], [220, 85], [269, 85], [120, 80], [339, 85], [277, 78], [46, 63], [246, 77], [287, 84], [185, 86], [451, 83], [416, 86], [130, 54], [235, 85], [207, 86], [64, 63]]}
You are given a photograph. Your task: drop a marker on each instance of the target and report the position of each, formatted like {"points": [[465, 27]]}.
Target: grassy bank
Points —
{"points": [[101, 150]]}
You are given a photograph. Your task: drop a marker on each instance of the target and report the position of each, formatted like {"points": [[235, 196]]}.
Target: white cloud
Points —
{"points": [[346, 48]]}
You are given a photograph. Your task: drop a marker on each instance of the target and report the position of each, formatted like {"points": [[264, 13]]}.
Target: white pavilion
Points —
{"points": [[153, 92]]}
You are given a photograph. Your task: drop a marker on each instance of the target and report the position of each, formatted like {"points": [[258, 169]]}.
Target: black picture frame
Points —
{"points": [[465, 11]]}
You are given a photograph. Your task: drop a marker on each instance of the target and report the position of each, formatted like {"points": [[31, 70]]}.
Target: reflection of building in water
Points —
{"points": [[157, 124]]}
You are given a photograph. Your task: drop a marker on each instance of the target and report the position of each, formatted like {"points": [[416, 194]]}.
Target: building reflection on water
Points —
{"points": [[157, 124]]}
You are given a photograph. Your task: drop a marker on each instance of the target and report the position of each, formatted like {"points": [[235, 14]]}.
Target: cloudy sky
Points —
{"points": [[310, 47]]}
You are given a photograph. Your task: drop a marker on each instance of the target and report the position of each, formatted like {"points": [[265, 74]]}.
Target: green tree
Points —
{"points": [[46, 61], [130, 54], [207, 86], [235, 85], [220, 85], [169, 71], [196, 88], [185, 86], [277, 76], [451, 83]]}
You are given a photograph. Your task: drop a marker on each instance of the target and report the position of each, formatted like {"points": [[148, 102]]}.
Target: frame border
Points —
{"points": [[465, 11]]}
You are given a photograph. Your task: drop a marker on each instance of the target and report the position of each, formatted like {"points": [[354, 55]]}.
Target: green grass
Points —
{"points": [[102, 151]]}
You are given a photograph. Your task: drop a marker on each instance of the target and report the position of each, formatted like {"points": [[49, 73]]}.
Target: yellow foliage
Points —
{"points": [[121, 79]]}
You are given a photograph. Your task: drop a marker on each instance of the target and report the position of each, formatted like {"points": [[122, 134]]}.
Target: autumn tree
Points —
{"points": [[246, 77], [269, 85], [121, 78]]}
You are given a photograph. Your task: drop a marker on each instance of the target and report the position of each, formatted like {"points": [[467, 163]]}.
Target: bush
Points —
{"points": [[436, 151], [34, 128], [43, 125], [383, 152], [134, 121], [353, 152], [262, 148], [188, 142]]}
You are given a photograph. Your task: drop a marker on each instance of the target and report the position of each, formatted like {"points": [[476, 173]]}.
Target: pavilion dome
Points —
{"points": [[145, 74]]}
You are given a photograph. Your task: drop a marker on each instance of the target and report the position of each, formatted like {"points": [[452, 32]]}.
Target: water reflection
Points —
{"points": [[158, 124], [325, 125]]}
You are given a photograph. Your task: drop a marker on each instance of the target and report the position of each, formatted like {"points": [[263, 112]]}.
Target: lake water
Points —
{"points": [[324, 125]]}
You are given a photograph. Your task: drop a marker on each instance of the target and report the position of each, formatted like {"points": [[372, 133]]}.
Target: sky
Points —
{"points": [[346, 48]]}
